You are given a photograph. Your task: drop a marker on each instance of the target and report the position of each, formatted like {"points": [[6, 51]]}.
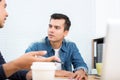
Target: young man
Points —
{"points": [[11, 69], [67, 51]]}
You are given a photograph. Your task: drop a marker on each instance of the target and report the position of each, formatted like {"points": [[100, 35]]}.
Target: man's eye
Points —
{"points": [[57, 27], [50, 26]]}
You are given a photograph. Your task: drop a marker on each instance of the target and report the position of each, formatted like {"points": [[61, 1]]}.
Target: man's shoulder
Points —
{"points": [[68, 41], [38, 42], [68, 44]]}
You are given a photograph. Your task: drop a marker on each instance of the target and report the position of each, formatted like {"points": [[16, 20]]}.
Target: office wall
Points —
{"points": [[28, 22], [105, 10]]}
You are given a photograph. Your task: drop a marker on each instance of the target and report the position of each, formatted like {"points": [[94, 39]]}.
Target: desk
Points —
{"points": [[90, 77], [93, 77]]}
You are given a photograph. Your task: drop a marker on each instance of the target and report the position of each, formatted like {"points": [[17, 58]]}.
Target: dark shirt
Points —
{"points": [[20, 75]]}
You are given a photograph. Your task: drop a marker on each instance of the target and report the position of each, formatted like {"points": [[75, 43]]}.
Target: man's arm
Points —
{"points": [[80, 66], [10, 68], [77, 59], [2, 74], [19, 75], [25, 61]]}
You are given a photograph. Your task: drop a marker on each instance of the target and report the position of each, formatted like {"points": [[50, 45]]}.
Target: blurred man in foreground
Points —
{"points": [[10, 69]]}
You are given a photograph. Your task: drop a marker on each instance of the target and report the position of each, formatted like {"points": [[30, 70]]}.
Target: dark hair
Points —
{"points": [[0, 0], [62, 16]]}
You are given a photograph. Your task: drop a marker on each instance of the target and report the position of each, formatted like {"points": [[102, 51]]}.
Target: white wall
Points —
{"points": [[28, 22], [105, 10]]}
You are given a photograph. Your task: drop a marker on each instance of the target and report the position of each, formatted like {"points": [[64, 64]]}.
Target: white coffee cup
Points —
{"points": [[43, 70]]}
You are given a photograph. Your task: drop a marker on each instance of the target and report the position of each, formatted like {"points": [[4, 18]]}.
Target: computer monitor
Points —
{"points": [[111, 53]]}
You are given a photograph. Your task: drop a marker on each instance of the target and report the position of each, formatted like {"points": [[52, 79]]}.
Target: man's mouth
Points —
{"points": [[50, 35], [5, 19]]}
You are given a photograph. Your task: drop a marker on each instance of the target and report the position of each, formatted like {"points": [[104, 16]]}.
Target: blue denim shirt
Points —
{"points": [[68, 53]]}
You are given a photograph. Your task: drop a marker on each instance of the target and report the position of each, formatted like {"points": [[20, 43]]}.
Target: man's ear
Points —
{"points": [[66, 33]]}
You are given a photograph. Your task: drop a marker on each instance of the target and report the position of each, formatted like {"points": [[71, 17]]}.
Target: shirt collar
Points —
{"points": [[63, 47]]}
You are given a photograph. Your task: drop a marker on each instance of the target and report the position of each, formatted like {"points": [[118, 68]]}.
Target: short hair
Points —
{"points": [[62, 16]]}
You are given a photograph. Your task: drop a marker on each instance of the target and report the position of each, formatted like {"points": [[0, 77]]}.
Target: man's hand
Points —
{"points": [[29, 75], [63, 73], [25, 61], [80, 75]]}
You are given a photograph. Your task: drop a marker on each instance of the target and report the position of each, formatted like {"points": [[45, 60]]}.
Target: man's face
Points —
{"points": [[56, 30], [3, 13]]}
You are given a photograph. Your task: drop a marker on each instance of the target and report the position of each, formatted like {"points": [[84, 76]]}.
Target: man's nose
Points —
{"points": [[52, 29], [6, 14]]}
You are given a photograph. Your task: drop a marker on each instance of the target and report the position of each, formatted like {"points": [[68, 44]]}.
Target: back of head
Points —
{"points": [[62, 16]]}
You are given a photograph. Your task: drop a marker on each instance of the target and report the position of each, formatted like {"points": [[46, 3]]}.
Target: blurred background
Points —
{"points": [[28, 22]]}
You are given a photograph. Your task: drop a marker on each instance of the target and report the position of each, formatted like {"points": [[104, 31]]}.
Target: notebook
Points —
{"points": [[111, 53]]}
